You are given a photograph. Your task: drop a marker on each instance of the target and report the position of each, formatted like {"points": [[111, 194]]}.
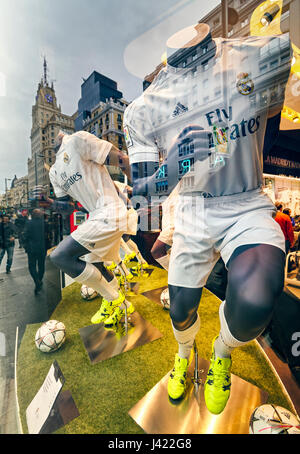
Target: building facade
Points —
{"points": [[289, 22], [47, 121], [267, 72], [17, 195]]}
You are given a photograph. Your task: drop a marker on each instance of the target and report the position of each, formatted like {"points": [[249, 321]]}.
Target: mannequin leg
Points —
{"points": [[184, 303], [67, 257], [255, 281]]}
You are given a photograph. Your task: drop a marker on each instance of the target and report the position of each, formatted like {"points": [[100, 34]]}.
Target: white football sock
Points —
{"points": [[164, 261], [92, 277], [225, 342], [133, 246], [123, 269], [186, 338], [125, 247]]}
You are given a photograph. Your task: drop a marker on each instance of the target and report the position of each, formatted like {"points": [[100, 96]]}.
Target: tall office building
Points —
{"points": [[100, 112]]}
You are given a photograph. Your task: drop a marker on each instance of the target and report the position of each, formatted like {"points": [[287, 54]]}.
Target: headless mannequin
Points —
{"points": [[255, 272]]}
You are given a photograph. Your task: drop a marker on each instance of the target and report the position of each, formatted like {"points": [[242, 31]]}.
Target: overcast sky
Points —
{"points": [[122, 39]]}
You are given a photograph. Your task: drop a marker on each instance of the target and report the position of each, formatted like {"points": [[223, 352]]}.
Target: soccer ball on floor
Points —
{"points": [[165, 299], [272, 419], [88, 293], [50, 336]]}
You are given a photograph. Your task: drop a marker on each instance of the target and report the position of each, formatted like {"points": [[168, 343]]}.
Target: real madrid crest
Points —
{"points": [[66, 158], [244, 84]]}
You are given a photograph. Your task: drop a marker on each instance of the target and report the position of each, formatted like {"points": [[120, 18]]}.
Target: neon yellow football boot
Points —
{"points": [[107, 308], [112, 266], [118, 314], [177, 379], [218, 383], [128, 258]]}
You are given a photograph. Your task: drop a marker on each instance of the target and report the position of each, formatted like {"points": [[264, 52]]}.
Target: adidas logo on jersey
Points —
{"points": [[179, 109]]}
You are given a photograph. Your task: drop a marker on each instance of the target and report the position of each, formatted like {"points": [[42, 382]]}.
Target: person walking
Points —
{"points": [[7, 243], [286, 225], [35, 243]]}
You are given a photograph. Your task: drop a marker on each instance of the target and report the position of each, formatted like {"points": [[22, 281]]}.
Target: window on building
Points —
{"points": [[245, 22], [263, 98], [185, 165], [273, 64], [204, 49], [230, 33], [194, 56], [263, 68], [186, 147], [184, 63], [161, 186], [285, 57]]}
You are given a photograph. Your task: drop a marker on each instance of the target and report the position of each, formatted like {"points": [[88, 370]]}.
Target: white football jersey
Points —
{"points": [[230, 97], [79, 172]]}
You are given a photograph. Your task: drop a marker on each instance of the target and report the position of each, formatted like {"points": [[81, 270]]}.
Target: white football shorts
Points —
{"points": [[102, 237], [207, 228]]}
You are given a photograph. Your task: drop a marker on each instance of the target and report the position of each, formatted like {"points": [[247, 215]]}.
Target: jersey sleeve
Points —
{"points": [[91, 148], [58, 190], [137, 132]]}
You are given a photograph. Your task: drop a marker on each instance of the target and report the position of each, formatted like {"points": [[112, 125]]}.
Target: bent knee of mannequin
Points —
{"points": [[249, 313], [182, 319], [184, 304], [56, 258], [159, 249], [63, 259]]}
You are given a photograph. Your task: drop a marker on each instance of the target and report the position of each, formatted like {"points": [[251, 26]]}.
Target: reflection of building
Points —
{"points": [[100, 112], [2, 201], [261, 78], [17, 195], [95, 89], [47, 120]]}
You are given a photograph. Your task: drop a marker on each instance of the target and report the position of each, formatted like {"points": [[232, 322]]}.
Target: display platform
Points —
{"points": [[102, 343], [105, 392], [156, 414]]}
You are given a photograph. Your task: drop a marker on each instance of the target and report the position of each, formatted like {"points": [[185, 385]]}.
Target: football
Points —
{"points": [[165, 299], [88, 293], [50, 336], [272, 419]]}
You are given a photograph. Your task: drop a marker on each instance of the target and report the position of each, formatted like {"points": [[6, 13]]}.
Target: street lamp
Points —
{"points": [[6, 180]]}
